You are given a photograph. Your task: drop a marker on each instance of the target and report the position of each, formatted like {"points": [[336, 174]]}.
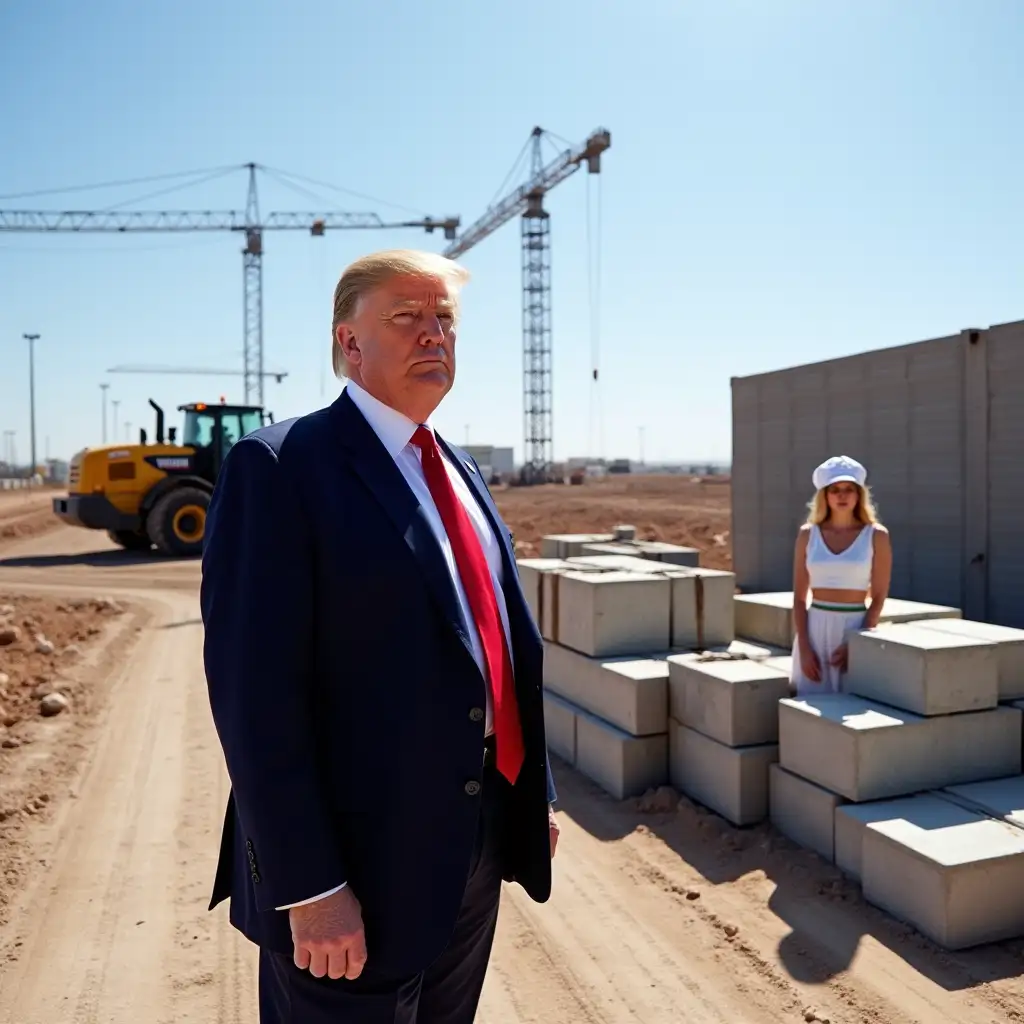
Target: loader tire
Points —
{"points": [[177, 522], [130, 540]]}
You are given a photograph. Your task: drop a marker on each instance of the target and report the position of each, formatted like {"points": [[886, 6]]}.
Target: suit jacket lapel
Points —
{"points": [[478, 486], [375, 467]]}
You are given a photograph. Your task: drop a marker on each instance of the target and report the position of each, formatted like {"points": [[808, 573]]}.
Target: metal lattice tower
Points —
{"points": [[252, 298], [538, 428], [528, 200]]}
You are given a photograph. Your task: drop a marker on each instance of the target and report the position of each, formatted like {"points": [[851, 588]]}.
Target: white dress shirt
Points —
{"points": [[395, 432]]}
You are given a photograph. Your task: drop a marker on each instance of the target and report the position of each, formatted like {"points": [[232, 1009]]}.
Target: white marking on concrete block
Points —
{"points": [[613, 613], [629, 693], [769, 617], [868, 751], [925, 671], [1009, 649], [1002, 798], [730, 780], [733, 702], [560, 726], [622, 765], [803, 811], [956, 876]]}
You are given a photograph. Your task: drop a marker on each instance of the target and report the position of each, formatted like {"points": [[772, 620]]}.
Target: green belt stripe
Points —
{"points": [[828, 607]]}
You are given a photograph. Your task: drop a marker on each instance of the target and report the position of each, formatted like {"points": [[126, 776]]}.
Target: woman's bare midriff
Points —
{"points": [[829, 596]]}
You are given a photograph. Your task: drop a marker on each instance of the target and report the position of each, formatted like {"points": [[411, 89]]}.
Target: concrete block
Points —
{"points": [[803, 811], [955, 875], [733, 702], [560, 726], [730, 780], [623, 531], [650, 550], [868, 751], [769, 617], [703, 611], [702, 599], [531, 573], [622, 562], [622, 765], [922, 670], [565, 545], [629, 693], [782, 662], [603, 614], [852, 820], [1000, 798], [1009, 649]]}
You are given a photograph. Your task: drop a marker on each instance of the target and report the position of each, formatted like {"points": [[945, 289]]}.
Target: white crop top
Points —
{"points": [[849, 570]]}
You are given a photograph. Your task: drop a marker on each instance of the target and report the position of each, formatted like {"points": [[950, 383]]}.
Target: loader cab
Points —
{"points": [[212, 430]]}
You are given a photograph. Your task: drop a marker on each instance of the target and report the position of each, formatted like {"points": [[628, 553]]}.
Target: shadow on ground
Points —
{"points": [[96, 559], [826, 913]]}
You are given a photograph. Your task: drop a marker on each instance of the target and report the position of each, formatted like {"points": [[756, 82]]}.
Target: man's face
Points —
{"points": [[400, 344]]}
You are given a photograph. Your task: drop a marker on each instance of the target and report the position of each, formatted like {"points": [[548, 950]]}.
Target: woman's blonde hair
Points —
{"points": [[367, 272], [864, 512]]}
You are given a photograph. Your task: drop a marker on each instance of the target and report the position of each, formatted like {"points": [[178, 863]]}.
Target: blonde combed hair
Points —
{"points": [[865, 511], [360, 278]]}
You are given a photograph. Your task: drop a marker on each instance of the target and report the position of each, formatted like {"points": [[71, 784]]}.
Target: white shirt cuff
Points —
{"points": [[313, 899]]}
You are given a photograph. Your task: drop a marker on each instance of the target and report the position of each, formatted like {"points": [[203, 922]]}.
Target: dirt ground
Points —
{"points": [[661, 912], [26, 513], [692, 511]]}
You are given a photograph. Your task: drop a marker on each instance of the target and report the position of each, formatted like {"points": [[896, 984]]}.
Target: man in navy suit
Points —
{"points": [[375, 680]]}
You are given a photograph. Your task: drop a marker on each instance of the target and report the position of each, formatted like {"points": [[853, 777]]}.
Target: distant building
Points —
{"points": [[493, 461]]}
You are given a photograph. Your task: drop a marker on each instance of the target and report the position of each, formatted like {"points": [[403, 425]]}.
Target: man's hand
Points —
{"points": [[328, 936], [553, 829]]}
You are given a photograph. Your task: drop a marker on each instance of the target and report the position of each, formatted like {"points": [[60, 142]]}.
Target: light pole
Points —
{"points": [[641, 432], [115, 402], [127, 430], [103, 388], [32, 339]]}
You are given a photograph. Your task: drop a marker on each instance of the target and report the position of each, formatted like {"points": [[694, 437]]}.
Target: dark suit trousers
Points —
{"points": [[447, 992]]}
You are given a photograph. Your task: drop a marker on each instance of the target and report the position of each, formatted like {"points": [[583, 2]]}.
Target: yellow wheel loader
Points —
{"points": [[156, 495]]}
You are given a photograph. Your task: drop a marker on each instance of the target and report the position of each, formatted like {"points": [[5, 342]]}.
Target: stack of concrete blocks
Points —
{"points": [[892, 779], [655, 550], [724, 727], [609, 624]]}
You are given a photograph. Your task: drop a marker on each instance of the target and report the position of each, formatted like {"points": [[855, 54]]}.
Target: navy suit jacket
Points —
{"points": [[345, 693]]}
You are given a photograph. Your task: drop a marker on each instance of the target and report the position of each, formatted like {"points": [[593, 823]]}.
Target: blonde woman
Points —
{"points": [[843, 556]]}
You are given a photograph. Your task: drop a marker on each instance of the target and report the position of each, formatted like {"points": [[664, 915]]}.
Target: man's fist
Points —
{"points": [[328, 936]]}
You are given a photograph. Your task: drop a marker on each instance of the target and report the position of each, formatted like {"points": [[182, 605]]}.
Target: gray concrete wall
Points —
{"points": [[940, 426]]}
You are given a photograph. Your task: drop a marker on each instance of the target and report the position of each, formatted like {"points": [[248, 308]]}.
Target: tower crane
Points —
{"points": [[528, 201], [196, 371], [247, 222]]}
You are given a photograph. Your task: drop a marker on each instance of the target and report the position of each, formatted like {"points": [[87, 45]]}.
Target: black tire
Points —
{"points": [[130, 540], [177, 522]]}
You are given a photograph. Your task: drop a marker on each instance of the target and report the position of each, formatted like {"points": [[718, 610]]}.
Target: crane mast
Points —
{"points": [[527, 201], [247, 222]]}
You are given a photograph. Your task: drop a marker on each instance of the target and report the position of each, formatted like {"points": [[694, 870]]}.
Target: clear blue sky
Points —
{"points": [[789, 180]]}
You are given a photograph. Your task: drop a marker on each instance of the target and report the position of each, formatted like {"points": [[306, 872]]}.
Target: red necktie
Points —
{"points": [[479, 588]]}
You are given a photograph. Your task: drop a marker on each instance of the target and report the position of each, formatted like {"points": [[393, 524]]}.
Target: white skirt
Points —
{"points": [[826, 630]]}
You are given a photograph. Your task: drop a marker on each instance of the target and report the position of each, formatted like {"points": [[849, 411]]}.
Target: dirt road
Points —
{"points": [[657, 917]]}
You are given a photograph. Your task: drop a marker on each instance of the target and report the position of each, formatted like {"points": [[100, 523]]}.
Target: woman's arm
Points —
{"points": [[801, 584], [881, 576]]}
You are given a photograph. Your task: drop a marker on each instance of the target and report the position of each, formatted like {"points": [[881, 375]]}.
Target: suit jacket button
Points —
{"points": [[476, 715], [472, 787]]}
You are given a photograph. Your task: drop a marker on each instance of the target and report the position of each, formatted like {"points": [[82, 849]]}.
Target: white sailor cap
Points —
{"points": [[838, 468]]}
